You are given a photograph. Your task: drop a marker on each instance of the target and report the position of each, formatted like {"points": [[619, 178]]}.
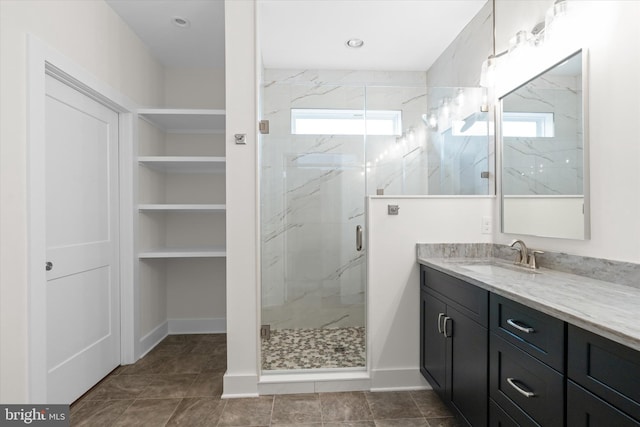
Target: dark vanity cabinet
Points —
{"points": [[453, 343], [497, 362]]}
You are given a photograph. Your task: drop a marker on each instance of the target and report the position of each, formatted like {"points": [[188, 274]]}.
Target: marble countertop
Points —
{"points": [[605, 308]]}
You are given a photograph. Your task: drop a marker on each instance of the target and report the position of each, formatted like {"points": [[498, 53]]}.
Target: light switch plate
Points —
{"points": [[485, 228]]}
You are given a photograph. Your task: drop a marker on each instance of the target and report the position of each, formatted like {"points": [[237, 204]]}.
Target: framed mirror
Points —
{"points": [[542, 126]]}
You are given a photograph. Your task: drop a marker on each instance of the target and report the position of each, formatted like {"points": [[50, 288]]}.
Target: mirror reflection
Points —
{"points": [[543, 154]]}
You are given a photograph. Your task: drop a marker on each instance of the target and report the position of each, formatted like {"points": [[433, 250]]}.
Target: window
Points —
{"points": [[533, 125], [514, 124], [345, 122]]}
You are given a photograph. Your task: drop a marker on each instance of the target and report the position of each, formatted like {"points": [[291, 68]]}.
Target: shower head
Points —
{"points": [[471, 120]]}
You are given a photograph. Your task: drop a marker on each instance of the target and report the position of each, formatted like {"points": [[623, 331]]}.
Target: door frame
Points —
{"points": [[41, 61]]}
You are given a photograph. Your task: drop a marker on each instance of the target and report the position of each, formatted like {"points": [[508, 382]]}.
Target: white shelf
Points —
{"points": [[171, 207], [201, 121], [185, 164], [206, 252]]}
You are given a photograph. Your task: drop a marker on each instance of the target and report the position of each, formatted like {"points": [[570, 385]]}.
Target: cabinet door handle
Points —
{"points": [[525, 393], [525, 329], [359, 238], [444, 327], [440, 316]]}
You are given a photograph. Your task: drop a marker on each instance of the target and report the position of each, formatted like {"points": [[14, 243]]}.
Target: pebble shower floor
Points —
{"points": [[314, 348]]}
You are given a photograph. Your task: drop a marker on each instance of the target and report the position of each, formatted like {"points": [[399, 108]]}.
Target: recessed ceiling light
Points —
{"points": [[180, 22], [355, 43]]}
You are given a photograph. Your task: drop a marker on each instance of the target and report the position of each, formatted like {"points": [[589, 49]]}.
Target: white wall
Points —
{"points": [[394, 279], [459, 65], [93, 36], [242, 208], [610, 32], [194, 88], [151, 274]]}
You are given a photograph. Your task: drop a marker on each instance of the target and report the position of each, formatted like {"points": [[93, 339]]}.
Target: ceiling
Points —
{"points": [[398, 34], [201, 45]]}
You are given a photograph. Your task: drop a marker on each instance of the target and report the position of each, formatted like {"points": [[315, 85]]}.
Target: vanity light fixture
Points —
{"points": [[180, 22], [521, 40], [355, 43], [523, 45], [563, 24], [431, 119]]}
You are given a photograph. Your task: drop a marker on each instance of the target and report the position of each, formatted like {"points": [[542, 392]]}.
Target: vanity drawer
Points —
{"points": [[586, 409], [469, 299], [609, 370], [514, 374], [536, 333], [499, 418]]}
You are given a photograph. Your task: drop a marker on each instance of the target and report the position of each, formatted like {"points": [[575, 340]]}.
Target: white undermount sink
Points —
{"points": [[495, 268]]}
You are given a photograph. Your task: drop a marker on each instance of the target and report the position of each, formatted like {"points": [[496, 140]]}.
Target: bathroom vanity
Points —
{"points": [[507, 346]]}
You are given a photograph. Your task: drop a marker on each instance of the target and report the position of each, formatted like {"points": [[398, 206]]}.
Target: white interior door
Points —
{"points": [[82, 295]]}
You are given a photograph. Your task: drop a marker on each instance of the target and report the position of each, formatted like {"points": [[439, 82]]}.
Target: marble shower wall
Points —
{"points": [[398, 164], [313, 190], [456, 162], [546, 166]]}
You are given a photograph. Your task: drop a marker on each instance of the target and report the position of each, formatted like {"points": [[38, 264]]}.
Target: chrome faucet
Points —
{"points": [[525, 257], [522, 258]]}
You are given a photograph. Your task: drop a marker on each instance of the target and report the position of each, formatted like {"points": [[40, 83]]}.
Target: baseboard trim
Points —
{"points": [[317, 382], [153, 338], [239, 386], [398, 379], [213, 325]]}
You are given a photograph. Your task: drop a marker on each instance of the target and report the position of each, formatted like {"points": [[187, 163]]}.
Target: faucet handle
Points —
{"points": [[532, 259]]}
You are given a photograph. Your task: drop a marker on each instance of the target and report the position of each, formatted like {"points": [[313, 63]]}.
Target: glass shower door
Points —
{"points": [[312, 200]]}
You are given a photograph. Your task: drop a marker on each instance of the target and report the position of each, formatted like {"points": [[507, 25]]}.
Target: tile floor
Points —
{"points": [[179, 383], [313, 348]]}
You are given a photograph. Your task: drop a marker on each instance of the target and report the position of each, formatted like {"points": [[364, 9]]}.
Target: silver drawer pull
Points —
{"points": [[525, 329], [444, 327], [525, 393], [440, 316]]}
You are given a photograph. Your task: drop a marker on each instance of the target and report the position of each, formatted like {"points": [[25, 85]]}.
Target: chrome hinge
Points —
{"points": [[265, 331], [263, 126]]}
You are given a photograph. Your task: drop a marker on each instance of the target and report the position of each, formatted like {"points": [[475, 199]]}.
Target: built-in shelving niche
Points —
{"points": [[181, 218]]}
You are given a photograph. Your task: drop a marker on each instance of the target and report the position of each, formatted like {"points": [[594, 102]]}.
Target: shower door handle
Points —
{"points": [[358, 238]]}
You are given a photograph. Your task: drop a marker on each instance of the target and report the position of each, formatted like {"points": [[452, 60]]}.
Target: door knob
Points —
{"points": [[48, 266]]}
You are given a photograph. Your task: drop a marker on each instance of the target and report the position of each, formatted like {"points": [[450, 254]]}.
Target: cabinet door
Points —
{"points": [[432, 342], [586, 410], [467, 389]]}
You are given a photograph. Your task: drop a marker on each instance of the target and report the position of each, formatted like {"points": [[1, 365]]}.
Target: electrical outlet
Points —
{"points": [[485, 228]]}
